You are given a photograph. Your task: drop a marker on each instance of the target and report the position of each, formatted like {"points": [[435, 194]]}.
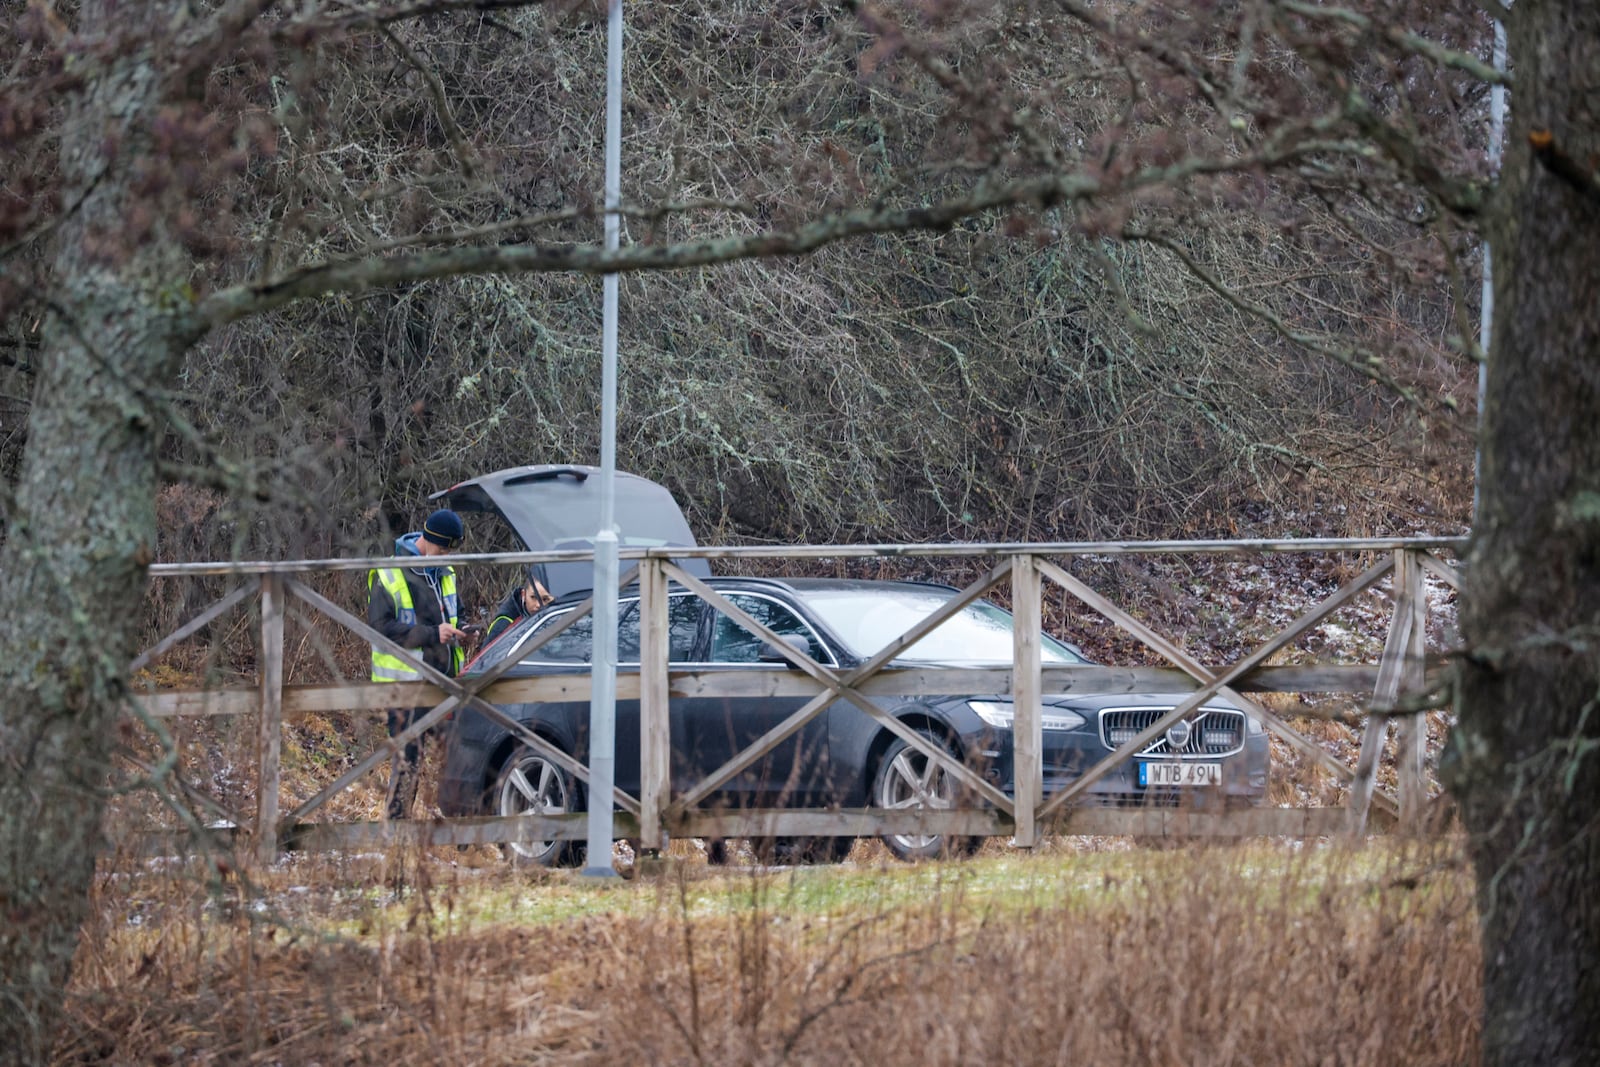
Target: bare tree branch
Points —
{"points": [[1407, 41], [369, 273], [1049, 190], [441, 104], [1160, 51], [1363, 363], [1464, 197], [373, 16], [644, 213]]}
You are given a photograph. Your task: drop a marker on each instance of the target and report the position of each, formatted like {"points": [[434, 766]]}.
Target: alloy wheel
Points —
{"points": [[532, 785]]}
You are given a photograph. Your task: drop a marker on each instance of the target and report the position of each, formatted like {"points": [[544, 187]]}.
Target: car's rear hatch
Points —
{"points": [[558, 507]]}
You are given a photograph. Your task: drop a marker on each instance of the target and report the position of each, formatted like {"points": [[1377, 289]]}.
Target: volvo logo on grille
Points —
{"points": [[1178, 734]]}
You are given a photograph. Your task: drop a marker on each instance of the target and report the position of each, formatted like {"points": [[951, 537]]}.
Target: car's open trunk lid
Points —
{"points": [[558, 507]]}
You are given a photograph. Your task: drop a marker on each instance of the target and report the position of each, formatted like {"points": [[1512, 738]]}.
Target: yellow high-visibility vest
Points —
{"points": [[390, 668]]}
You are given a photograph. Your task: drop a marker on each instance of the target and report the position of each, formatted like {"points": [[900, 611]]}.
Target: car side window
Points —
{"points": [[683, 626], [683, 622], [577, 643], [571, 646], [628, 632], [732, 643]]}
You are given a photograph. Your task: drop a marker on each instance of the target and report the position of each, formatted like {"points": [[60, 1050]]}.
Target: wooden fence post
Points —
{"points": [[1391, 672], [655, 734], [269, 749], [1412, 730], [1026, 730]]}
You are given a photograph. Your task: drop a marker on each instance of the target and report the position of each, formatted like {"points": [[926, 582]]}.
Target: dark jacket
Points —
{"points": [[510, 610], [425, 599]]}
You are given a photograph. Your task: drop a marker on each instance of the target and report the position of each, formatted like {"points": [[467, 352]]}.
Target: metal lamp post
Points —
{"points": [[603, 676]]}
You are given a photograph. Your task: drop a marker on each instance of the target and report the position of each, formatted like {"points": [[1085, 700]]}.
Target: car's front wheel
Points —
{"points": [[530, 784], [907, 779]]}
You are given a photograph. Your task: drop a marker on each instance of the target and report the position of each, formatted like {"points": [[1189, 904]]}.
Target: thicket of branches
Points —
{"points": [[1244, 352]]}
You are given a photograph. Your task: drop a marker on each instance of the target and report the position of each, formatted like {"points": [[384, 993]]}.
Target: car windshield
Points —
{"points": [[868, 619]]}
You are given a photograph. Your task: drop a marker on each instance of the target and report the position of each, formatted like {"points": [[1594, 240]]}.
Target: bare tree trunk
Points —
{"points": [[81, 536], [1525, 759]]}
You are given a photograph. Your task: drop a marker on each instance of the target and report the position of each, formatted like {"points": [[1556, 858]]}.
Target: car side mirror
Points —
{"points": [[770, 653]]}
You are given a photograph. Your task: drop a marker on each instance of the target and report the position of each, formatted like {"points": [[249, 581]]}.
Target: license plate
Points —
{"points": [[1180, 774]]}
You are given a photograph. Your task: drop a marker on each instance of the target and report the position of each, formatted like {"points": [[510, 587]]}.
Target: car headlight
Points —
{"points": [[1002, 714]]}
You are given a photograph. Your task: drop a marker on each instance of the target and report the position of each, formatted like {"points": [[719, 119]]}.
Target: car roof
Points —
{"points": [[809, 585], [557, 506], [799, 586]]}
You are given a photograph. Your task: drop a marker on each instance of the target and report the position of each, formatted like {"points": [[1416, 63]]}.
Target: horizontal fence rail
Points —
{"points": [[1393, 686]]}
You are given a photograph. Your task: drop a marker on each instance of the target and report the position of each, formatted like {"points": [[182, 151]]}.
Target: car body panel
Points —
{"points": [[831, 761]]}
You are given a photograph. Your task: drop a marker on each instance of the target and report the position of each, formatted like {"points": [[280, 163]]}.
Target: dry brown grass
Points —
{"points": [[1098, 953]]}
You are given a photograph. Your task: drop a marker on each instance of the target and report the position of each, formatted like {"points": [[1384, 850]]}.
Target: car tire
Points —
{"points": [[530, 783], [802, 851], [904, 780]]}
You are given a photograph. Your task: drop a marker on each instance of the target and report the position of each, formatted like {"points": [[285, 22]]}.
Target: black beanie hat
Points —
{"points": [[444, 528]]}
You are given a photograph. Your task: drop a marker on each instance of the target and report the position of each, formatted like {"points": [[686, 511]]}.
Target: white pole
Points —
{"points": [[1497, 127], [603, 692]]}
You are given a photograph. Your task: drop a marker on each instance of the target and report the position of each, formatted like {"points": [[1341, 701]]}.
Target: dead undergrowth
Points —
{"points": [[1087, 952], [1090, 951]]}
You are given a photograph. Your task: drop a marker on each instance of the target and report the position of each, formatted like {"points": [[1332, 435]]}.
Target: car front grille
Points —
{"points": [[1213, 733]]}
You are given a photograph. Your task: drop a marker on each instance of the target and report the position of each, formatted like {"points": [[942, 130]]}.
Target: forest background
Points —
{"points": [[912, 271], [1030, 378]]}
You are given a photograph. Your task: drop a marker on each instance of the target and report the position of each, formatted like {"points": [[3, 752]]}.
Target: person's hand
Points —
{"points": [[450, 635]]}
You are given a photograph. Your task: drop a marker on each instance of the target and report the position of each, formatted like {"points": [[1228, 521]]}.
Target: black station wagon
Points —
{"points": [[842, 758]]}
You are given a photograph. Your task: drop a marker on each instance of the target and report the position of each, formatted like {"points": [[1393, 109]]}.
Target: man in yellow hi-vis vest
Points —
{"points": [[416, 608]]}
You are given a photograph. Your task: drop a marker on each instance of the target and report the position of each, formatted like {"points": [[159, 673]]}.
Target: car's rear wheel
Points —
{"points": [[530, 784], [907, 779]]}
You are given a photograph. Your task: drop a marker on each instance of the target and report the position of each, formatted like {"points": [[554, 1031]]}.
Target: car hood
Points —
{"points": [[1102, 701], [555, 506], [1097, 702]]}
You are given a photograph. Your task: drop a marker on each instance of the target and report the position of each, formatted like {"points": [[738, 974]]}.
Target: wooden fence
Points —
{"points": [[1391, 685]]}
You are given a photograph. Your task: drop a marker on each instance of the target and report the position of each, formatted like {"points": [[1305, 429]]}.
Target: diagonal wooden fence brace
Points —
{"points": [[191, 791], [835, 687], [1211, 684], [1439, 569], [460, 694], [190, 628]]}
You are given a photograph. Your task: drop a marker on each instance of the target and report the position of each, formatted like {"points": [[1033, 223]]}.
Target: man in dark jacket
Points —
{"points": [[416, 608]]}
